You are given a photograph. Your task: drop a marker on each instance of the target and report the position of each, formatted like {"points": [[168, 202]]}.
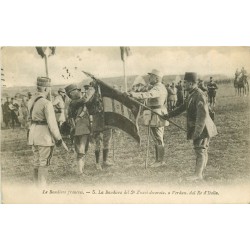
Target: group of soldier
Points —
{"points": [[84, 114]]}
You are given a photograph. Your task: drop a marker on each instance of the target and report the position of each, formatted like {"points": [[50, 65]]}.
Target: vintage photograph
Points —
{"points": [[125, 124]]}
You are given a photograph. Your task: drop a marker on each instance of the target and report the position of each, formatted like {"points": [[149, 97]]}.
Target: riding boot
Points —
{"points": [[200, 164], [42, 176], [156, 156], [80, 164], [160, 153], [106, 163], [97, 159], [35, 175]]}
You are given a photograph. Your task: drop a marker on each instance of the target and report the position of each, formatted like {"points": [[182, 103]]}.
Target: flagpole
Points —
{"points": [[125, 76], [47, 75]]}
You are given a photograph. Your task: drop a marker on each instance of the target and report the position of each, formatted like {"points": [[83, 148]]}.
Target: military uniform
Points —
{"points": [[59, 106], [43, 131], [101, 133], [156, 99], [211, 87], [79, 118], [200, 127]]}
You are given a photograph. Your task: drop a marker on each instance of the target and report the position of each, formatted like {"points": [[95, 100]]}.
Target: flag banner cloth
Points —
{"points": [[120, 111], [125, 52], [41, 51]]}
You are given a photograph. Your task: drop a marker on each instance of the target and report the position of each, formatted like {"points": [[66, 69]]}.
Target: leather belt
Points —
{"points": [[39, 122], [155, 107]]}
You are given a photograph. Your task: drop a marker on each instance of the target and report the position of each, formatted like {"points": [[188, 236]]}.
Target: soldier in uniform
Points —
{"points": [[101, 134], [180, 98], [44, 133], [200, 127], [156, 99], [59, 106], [212, 87], [79, 119]]}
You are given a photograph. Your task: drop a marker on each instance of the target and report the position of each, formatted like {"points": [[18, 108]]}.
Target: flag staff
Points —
{"points": [[125, 75]]}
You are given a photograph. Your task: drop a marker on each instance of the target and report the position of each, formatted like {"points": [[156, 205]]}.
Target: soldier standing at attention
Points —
{"points": [[200, 127], [59, 106], [79, 119], [156, 99], [44, 132], [102, 135]]}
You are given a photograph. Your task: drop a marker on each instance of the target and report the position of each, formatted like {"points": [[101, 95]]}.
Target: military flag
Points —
{"points": [[125, 52], [41, 51], [120, 111]]}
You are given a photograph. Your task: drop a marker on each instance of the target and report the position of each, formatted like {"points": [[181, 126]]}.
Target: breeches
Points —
{"points": [[42, 155], [80, 142], [157, 135], [104, 137]]}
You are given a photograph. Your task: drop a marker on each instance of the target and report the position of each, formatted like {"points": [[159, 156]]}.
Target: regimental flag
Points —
{"points": [[120, 111], [41, 51], [125, 52]]}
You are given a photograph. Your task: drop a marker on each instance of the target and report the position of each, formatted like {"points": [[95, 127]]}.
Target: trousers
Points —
{"points": [[42, 155], [104, 137], [157, 134]]}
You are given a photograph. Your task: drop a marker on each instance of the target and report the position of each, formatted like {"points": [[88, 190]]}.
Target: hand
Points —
{"points": [[59, 143], [166, 117], [126, 94]]}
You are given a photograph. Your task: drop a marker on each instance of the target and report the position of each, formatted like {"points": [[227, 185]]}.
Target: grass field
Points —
{"points": [[228, 155]]}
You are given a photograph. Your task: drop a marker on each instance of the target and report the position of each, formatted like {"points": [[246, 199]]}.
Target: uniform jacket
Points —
{"points": [[59, 107], [156, 99], [199, 122], [43, 135], [79, 113]]}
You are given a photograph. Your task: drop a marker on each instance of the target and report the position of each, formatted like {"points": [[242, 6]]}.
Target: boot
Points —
{"points": [[35, 176], [200, 163], [106, 163], [97, 160], [156, 156], [80, 164], [160, 152], [42, 176]]}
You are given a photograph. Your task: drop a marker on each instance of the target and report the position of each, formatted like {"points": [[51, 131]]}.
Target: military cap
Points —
{"points": [[61, 90], [190, 77], [156, 73], [43, 82], [70, 88]]}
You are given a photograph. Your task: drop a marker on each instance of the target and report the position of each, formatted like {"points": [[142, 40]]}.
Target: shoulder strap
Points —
{"points": [[32, 107]]}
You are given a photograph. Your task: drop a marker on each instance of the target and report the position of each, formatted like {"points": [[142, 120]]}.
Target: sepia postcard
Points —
{"points": [[125, 125]]}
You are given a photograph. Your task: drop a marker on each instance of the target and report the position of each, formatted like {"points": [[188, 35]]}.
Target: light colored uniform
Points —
{"points": [[43, 131], [59, 106], [156, 99]]}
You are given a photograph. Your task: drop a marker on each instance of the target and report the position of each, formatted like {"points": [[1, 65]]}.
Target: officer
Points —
{"points": [[200, 127], [59, 106], [156, 99], [43, 132], [101, 134], [79, 119]]}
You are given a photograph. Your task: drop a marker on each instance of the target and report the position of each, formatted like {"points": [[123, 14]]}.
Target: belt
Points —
{"points": [[156, 107], [39, 122]]}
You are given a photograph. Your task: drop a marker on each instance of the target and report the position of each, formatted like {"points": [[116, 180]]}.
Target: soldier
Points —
{"points": [[79, 119], [101, 134], [180, 98], [172, 96], [6, 113], [43, 133], [200, 127], [212, 87], [59, 106], [243, 74], [156, 99]]}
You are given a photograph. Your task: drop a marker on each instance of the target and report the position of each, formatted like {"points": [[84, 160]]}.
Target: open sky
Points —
{"points": [[22, 65]]}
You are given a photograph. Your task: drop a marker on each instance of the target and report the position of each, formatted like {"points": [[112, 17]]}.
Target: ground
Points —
{"points": [[228, 154]]}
